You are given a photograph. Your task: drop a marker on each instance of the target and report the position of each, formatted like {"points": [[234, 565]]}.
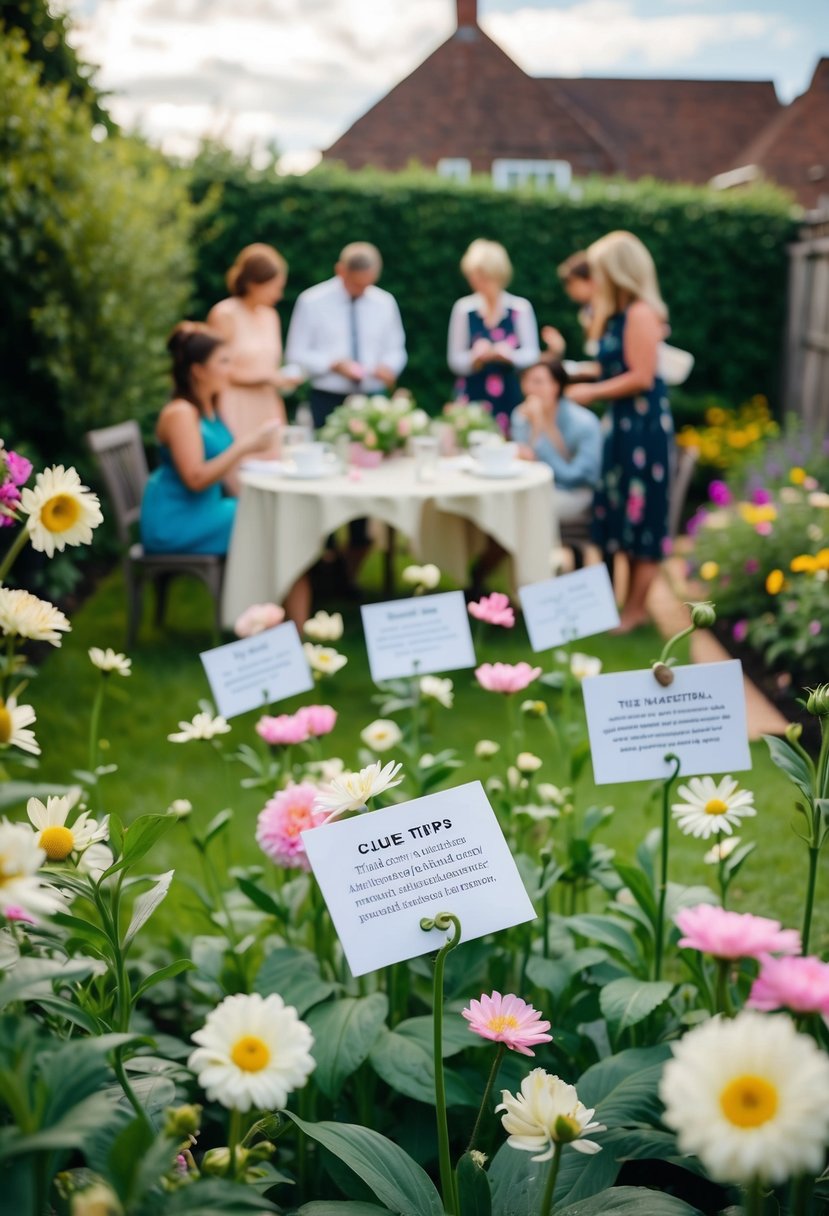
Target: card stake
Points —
{"points": [[418, 636], [256, 671], [633, 722], [569, 607], [382, 871]]}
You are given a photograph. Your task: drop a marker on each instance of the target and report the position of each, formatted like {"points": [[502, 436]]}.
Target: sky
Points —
{"points": [[294, 74]]}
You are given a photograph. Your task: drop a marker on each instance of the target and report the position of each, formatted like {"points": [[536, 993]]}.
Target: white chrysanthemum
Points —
{"points": [[14, 721], [55, 836], [26, 616], [351, 791], [61, 510], [721, 850], [20, 860], [485, 749], [526, 762], [553, 794], [252, 1052], [711, 807], [436, 688], [109, 660], [203, 726], [324, 659], [382, 735], [327, 770], [583, 665], [545, 1112], [426, 577], [748, 1097], [324, 627], [95, 859]]}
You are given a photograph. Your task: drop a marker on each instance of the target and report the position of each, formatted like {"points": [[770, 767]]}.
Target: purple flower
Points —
{"points": [[760, 497], [20, 469], [751, 565], [695, 523], [720, 494], [739, 630], [815, 628]]}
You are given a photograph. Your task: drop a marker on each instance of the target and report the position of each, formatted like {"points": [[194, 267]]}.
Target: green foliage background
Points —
{"points": [[721, 257]]}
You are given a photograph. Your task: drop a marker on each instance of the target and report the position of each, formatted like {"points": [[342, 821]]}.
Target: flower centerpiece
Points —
{"points": [[375, 426], [466, 417]]}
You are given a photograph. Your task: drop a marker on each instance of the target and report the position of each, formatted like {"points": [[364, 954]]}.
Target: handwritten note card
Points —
{"points": [[633, 722], [418, 636], [571, 606], [256, 671], [382, 871]]}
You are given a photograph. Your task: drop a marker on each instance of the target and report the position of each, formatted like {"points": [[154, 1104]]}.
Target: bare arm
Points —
{"points": [[178, 429], [643, 333]]}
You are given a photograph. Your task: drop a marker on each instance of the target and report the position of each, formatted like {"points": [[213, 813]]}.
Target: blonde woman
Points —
{"points": [[631, 503], [493, 335]]}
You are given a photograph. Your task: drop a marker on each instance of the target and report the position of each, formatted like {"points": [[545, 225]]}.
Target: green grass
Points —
{"points": [[168, 681]]}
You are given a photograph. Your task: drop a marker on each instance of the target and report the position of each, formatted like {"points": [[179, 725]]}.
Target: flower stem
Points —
{"points": [[663, 868], [811, 882], [129, 1092], [496, 1064], [234, 1137], [546, 1208], [754, 1203], [723, 996], [444, 921], [800, 1195], [13, 552]]}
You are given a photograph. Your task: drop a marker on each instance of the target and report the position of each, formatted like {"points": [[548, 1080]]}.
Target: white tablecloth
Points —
{"points": [[282, 522]]}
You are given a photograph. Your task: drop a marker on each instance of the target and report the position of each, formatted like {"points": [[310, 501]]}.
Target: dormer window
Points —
{"points": [[510, 174]]}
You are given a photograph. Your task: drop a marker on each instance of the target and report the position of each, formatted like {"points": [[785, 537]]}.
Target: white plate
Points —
{"points": [[274, 467], [308, 474], [514, 469]]}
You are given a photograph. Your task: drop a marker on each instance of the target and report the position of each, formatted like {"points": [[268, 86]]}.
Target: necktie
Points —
{"points": [[355, 340]]}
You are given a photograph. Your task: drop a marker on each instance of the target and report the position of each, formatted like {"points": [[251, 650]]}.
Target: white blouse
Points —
{"points": [[459, 354]]}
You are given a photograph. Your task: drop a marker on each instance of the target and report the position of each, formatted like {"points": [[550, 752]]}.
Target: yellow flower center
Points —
{"points": [[502, 1022], [749, 1101], [58, 842], [60, 513], [6, 726], [715, 806], [250, 1053]]}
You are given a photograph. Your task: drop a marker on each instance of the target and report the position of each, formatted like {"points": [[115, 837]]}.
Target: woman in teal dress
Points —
{"points": [[630, 512]]}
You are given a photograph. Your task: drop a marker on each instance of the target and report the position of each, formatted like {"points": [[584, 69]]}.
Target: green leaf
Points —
{"points": [[626, 1002], [13, 793], [339, 1207], [397, 1181], [163, 973], [146, 904], [70, 1131], [623, 1087], [344, 1034], [407, 1065], [473, 1188], [791, 763], [33, 978], [210, 1197], [554, 975], [609, 932], [262, 899], [217, 825], [630, 1201], [295, 975], [139, 838], [640, 888], [456, 1033]]}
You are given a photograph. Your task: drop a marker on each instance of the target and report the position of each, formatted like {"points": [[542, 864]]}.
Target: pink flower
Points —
{"points": [[751, 565], [506, 677], [19, 467], [13, 912], [719, 494], [404, 427], [764, 528], [495, 609], [799, 984], [356, 425], [815, 628], [509, 1020], [281, 822], [257, 619], [761, 498], [318, 720], [733, 934], [739, 630], [282, 730]]}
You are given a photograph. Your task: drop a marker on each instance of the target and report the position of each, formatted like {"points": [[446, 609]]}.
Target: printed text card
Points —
{"points": [[418, 636], [569, 607], [256, 671]]}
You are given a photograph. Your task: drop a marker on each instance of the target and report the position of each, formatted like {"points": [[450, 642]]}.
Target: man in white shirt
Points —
{"points": [[346, 333]]}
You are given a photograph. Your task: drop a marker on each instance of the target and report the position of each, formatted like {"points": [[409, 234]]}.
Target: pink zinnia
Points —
{"points": [[495, 609], [799, 984], [318, 720], [257, 619], [733, 935], [509, 1020], [506, 677], [281, 822], [282, 730], [19, 467]]}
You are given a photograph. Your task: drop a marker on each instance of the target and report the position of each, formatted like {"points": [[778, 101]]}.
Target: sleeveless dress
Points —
{"points": [[630, 513], [496, 382], [256, 351], [177, 520]]}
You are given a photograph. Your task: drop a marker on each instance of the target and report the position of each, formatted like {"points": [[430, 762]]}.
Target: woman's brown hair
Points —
{"points": [[190, 344], [255, 264]]}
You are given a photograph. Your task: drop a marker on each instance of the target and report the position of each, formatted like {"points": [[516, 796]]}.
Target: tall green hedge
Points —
{"points": [[721, 257]]}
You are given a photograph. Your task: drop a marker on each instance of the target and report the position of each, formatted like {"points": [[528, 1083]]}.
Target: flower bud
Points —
{"points": [[478, 1157], [526, 762], [818, 702], [182, 1121], [793, 731], [216, 1161], [703, 614], [485, 749], [534, 709], [566, 1129]]}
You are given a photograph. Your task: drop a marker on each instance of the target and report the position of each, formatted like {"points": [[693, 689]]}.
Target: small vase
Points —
{"points": [[363, 457]]}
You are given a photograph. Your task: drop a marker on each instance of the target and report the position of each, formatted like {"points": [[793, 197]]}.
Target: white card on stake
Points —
{"points": [[256, 671], [382, 871], [569, 607], [418, 636], [633, 722]]}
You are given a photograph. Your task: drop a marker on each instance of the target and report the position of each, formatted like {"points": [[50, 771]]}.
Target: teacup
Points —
{"points": [[311, 458], [496, 457]]}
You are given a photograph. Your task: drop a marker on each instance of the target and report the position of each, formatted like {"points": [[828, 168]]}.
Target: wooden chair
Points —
{"points": [[119, 451]]}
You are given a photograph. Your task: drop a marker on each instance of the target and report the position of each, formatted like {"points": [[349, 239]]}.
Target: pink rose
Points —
{"points": [[283, 730], [495, 609], [506, 677], [733, 934], [257, 619], [318, 720], [281, 822]]}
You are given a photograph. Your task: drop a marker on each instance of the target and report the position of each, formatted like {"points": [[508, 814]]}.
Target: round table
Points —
{"points": [[282, 521]]}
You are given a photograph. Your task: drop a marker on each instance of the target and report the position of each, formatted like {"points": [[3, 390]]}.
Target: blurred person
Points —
{"points": [[577, 281]]}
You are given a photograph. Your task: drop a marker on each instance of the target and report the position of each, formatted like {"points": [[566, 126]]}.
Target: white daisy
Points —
{"points": [[426, 578], [351, 791], [54, 836], [721, 850], [25, 615], [95, 859], [382, 735], [435, 688], [485, 749], [553, 794], [538, 812], [546, 1112], [202, 726], [14, 720], [526, 762], [711, 806], [61, 510], [748, 1097], [20, 860], [109, 660], [324, 660], [324, 627], [252, 1052], [583, 665]]}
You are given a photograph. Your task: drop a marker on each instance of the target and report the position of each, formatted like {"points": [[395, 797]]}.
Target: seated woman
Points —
{"points": [[185, 509], [491, 333], [567, 437]]}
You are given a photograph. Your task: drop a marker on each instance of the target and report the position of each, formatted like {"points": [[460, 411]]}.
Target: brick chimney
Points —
{"points": [[467, 13]]}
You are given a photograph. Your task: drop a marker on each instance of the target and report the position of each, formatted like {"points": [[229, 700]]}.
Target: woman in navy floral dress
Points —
{"points": [[630, 513]]}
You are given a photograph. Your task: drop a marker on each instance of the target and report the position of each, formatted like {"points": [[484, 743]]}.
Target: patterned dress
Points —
{"points": [[630, 513], [496, 382]]}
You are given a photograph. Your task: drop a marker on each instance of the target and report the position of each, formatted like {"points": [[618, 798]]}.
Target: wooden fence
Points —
{"points": [[806, 368]]}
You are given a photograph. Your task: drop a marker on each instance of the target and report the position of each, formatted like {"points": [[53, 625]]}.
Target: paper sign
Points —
{"points": [[633, 722], [418, 636], [255, 671], [383, 870], [571, 606]]}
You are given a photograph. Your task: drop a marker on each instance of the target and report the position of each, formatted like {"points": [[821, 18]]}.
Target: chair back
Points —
{"points": [[119, 451], [684, 465]]}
